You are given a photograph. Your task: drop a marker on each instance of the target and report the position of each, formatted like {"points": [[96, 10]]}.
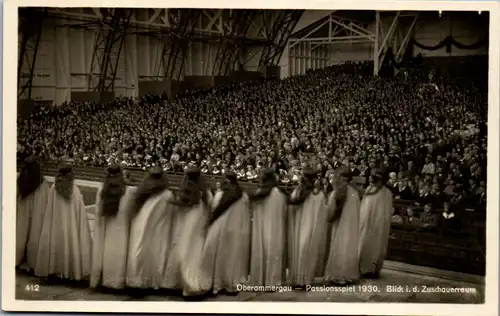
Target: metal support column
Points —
{"points": [[107, 49], [380, 49], [233, 38], [279, 34], [30, 33], [404, 44], [376, 43], [176, 44]]}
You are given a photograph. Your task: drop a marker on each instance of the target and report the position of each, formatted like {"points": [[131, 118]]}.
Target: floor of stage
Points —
{"points": [[30, 288]]}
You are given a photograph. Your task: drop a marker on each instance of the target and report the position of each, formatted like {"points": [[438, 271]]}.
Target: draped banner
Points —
{"points": [[448, 42], [389, 62]]}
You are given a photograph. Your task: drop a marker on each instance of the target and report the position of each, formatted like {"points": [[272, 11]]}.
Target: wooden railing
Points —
{"points": [[91, 173], [464, 251]]}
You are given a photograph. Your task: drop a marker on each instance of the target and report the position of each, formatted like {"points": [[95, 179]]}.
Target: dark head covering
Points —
{"points": [[114, 169], [154, 183], [308, 177], [231, 177], [112, 191], [345, 173], [65, 169], [377, 179], [30, 177], [378, 175], [156, 172], [305, 188], [64, 181], [192, 189], [231, 192], [342, 178], [267, 181]]}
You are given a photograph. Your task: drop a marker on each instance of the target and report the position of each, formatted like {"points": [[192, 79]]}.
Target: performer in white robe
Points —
{"points": [[65, 246], [269, 216], [150, 231], [306, 230], [217, 197], [226, 256], [184, 267], [342, 266], [375, 225], [32, 195], [111, 232]]}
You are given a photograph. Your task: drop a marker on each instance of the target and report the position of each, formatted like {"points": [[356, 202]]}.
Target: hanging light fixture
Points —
{"points": [[440, 12]]}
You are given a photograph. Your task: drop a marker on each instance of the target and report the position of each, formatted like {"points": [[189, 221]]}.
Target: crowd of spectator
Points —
{"points": [[426, 127]]}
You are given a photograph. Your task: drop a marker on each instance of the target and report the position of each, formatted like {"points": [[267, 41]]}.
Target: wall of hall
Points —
{"points": [[65, 54], [305, 56]]}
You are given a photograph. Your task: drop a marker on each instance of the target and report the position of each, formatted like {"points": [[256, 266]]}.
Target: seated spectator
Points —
{"points": [[428, 218], [459, 198], [404, 191], [436, 197], [392, 183], [450, 187], [481, 195], [412, 190], [448, 221], [410, 221], [425, 196], [396, 218], [429, 167]]}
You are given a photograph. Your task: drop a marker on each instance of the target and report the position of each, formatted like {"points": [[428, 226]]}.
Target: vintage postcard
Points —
{"points": [[224, 157]]}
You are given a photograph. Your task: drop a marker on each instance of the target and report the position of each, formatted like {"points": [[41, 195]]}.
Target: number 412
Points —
{"points": [[32, 288]]}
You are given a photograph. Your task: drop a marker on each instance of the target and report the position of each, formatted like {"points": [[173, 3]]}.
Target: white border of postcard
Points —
{"points": [[9, 302]]}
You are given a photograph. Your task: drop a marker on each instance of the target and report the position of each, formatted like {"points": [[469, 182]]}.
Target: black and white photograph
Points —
{"points": [[197, 155]]}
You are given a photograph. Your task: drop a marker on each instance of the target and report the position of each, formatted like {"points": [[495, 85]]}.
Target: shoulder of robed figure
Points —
{"points": [[279, 191], [388, 192], [131, 189], [210, 194], [167, 193], [46, 183], [245, 197], [322, 194], [354, 191], [76, 189], [331, 194]]}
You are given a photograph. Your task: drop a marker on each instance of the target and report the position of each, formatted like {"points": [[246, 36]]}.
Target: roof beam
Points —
{"points": [[298, 40], [406, 40], [353, 33], [357, 30]]}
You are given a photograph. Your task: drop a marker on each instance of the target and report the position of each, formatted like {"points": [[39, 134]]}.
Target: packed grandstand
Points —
{"points": [[426, 127]]}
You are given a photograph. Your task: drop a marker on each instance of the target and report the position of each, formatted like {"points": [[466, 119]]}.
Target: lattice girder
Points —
{"points": [[111, 32], [30, 33]]}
